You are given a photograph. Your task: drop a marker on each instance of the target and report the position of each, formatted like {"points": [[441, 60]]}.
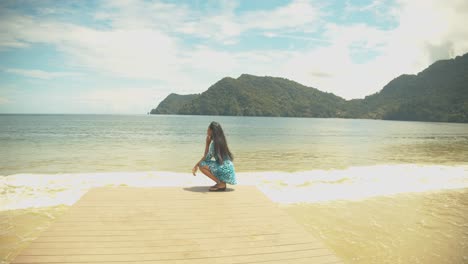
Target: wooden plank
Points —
{"points": [[159, 231], [86, 250], [314, 255], [60, 257], [192, 228], [175, 225], [210, 242]]}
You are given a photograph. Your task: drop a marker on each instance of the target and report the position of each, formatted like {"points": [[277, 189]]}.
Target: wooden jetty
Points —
{"points": [[176, 225]]}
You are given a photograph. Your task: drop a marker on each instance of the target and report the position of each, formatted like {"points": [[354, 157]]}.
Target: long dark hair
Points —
{"points": [[221, 149]]}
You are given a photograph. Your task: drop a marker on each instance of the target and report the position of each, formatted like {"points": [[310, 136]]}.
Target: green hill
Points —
{"points": [[172, 104], [250, 95], [439, 93]]}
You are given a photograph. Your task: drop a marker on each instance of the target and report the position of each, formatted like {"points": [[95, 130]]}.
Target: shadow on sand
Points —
{"points": [[203, 189]]}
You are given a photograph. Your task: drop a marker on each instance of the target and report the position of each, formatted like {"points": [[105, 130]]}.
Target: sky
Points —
{"points": [[125, 56]]}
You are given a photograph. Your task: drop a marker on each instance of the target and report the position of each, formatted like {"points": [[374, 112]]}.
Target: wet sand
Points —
{"points": [[20, 227]]}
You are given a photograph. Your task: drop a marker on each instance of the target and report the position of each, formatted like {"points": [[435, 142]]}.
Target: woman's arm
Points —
{"points": [[207, 148]]}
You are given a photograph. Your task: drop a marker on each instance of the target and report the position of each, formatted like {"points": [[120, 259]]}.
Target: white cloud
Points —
{"points": [[9, 27], [357, 35], [23, 30], [137, 14], [332, 68], [145, 40], [299, 15], [139, 52], [143, 53], [427, 31], [426, 25], [41, 74], [141, 43], [372, 6], [221, 24]]}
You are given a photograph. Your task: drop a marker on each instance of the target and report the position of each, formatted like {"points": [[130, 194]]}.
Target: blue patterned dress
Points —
{"points": [[224, 172]]}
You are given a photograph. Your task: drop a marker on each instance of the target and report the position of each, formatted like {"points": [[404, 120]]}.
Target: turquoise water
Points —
{"points": [[108, 143]]}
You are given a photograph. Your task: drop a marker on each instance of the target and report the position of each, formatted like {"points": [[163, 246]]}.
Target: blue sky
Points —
{"points": [[124, 57]]}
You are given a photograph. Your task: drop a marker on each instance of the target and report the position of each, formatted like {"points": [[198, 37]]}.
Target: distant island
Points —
{"points": [[439, 93]]}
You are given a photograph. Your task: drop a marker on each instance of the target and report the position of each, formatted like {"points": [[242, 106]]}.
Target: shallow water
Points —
{"points": [[430, 228], [20, 227]]}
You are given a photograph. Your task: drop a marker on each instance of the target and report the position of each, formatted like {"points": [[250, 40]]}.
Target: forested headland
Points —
{"points": [[438, 93]]}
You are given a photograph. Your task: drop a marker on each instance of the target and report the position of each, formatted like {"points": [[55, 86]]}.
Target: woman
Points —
{"points": [[220, 170]]}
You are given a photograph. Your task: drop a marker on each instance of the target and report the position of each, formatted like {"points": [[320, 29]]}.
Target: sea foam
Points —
{"points": [[40, 190]]}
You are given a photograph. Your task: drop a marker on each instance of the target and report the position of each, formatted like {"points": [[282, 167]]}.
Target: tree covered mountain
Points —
{"points": [[439, 93], [172, 103], [250, 95]]}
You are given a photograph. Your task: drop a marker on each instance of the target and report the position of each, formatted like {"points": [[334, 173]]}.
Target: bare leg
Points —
{"points": [[206, 170]]}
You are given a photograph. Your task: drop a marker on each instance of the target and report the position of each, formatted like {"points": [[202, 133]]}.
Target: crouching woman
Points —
{"points": [[221, 169]]}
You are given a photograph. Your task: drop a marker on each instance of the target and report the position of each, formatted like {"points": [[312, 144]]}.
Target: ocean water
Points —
{"points": [[374, 191], [106, 143]]}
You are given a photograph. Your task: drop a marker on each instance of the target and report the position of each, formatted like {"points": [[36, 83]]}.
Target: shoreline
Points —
{"points": [[21, 226], [356, 183]]}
